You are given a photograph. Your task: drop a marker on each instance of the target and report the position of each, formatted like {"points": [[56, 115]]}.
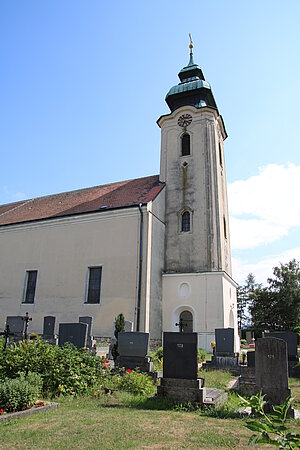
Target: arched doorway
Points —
{"points": [[187, 320]]}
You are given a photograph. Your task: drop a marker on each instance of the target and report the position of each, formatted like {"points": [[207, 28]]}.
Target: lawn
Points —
{"points": [[122, 421], [108, 423]]}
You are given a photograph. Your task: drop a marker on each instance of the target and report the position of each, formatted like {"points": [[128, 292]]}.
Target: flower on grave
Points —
{"points": [[2, 411], [128, 370], [96, 393], [213, 344], [40, 403]]}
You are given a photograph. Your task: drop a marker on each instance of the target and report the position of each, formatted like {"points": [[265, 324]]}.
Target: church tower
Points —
{"points": [[197, 283]]}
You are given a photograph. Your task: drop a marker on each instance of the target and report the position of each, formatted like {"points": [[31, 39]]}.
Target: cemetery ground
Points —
{"points": [[124, 421]]}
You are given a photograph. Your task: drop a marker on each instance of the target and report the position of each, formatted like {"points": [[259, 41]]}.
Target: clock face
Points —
{"points": [[185, 120]]}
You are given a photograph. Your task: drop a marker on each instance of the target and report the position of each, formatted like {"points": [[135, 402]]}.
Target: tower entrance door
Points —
{"points": [[187, 319]]}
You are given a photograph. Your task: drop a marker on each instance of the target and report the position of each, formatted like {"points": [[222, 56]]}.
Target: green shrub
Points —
{"points": [[202, 355], [63, 370], [20, 393], [131, 381], [157, 358]]}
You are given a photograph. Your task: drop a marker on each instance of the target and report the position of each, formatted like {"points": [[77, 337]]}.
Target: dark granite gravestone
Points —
{"points": [[133, 343], [251, 359], [75, 333], [132, 349], [49, 326], [180, 355], [271, 370], [16, 327], [290, 338], [224, 341], [49, 330], [89, 321]]}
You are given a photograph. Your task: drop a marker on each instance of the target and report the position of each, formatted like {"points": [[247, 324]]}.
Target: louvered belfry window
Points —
{"points": [[94, 285], [186, 221], [31, 276], [185, 145]]}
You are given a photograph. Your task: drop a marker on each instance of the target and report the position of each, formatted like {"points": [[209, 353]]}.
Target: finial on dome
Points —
{"points": [[191, 46]]}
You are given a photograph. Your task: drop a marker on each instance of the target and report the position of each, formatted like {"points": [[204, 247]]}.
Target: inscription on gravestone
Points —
{"points": [[271, 370]]}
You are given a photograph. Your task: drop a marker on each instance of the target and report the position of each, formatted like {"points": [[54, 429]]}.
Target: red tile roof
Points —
{"points": [[93, 199]]}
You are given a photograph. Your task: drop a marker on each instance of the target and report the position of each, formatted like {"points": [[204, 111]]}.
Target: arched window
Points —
{"points": [[185, 145], [186, 221]]}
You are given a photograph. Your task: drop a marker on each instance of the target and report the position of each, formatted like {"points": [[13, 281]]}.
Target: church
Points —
{"points": [[156, 249]]}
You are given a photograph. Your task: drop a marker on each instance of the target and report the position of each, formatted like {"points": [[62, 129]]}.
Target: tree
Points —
{"points": [[244, 301], [277, 306], [119, 328]]}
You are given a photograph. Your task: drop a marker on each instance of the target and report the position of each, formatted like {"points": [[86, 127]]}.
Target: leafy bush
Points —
{"points": [[132, 381], [63, 370], [157, 358], [243, 341], [20, 393], [202, 355], [271, 428]]}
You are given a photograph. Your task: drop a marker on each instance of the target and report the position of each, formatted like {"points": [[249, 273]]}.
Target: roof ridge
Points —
{"points": [[16, 207]]}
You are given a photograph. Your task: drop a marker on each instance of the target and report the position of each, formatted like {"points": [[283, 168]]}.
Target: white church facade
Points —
{"points": [[156, 249]]}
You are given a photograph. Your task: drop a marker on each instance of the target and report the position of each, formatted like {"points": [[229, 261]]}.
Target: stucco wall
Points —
{"points": [[62, 250], [208, 296]]}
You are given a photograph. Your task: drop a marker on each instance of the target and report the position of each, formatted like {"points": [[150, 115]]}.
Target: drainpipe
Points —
{"points": [[140, 270]]}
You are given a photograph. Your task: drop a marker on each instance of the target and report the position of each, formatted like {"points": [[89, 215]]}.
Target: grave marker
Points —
{"points": [[271, 370], [75, 333]]}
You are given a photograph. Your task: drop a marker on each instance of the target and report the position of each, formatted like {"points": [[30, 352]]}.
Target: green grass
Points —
{"points": [[216, 378], [124, 421], [107, 423]]}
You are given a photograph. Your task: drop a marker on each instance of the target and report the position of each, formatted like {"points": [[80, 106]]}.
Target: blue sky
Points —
{"points": [[82, 84]]}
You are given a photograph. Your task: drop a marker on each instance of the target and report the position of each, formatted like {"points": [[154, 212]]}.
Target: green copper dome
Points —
{"points": [[192, 89]]}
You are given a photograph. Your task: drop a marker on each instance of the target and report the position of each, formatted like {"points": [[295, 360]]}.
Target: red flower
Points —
{"points": [[128, 370], [40, 403], [1, 411]]}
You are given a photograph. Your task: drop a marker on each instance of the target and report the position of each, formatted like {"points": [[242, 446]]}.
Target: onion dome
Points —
{"points": [[192, 89]]}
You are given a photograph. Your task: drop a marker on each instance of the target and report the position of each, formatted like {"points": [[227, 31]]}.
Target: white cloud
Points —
{"points": [[269, 202], [262, 269], [14, 196]]}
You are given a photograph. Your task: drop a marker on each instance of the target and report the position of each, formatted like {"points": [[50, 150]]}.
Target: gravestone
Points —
{"points": [[75, 333], [128, 326], [271, 370], [251, 359], [180, 380], [16, 327], [180, 355], [49, 329], [89, 321], [224, 355], [249, 337], [133, 343], [290, 338], [132, 349], [224, 341], [90, 339]]}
